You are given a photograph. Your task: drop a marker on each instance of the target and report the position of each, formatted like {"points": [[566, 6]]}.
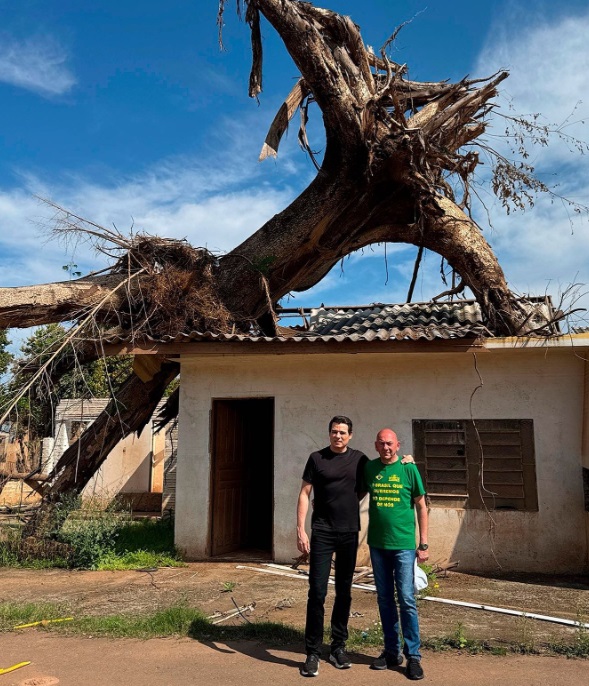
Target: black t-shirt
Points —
{"points": [[335, 478]]}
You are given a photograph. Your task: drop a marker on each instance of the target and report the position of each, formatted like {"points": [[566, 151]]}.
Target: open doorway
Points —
{"points": [[242, 478]]}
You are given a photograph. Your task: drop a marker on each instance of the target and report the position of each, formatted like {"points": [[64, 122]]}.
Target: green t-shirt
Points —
{"points": [[392, 488]]}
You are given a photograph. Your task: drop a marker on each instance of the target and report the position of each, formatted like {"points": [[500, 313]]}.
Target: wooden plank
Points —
{"points": [[445, 452], [457, 476], [448, 489], [147, 366], [498, 464], [504, 490], [205, 348], [449, 463], [500, 452], [444, 439]]}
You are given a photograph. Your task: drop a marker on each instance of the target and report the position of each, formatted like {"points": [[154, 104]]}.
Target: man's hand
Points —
{"points": [[422, 556], [303, 542], [407, 459]]}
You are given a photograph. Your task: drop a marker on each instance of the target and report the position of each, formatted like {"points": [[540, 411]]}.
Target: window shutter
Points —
{"points": [[442, 461], [483, 463]]}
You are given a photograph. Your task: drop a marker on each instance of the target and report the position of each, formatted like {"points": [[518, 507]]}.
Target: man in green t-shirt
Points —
{"points": [[396, 492]]}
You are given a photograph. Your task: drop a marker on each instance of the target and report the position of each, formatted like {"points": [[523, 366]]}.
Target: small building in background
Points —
{"points": [[139, 471]]}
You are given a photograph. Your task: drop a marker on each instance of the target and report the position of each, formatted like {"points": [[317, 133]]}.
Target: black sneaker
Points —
{"points": [[340, 659], [311, 666], [387, 661], [413, 669]]}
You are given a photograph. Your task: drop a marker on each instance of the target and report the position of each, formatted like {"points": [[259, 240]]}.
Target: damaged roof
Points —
{"points": [[411, 321], [460, 319]]}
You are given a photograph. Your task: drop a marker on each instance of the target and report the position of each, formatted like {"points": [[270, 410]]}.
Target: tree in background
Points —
{"points": [[5, 355], [35, 410]]}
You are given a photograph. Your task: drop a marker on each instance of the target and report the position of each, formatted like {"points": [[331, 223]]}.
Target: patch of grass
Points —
{"points": [[95, 539], [138, 559], [269, 633], [155, 535], [13, 614], [444, 643], [580, 646], [90, 538], [8, 535], [369, 636], [182, 620], [471, 646], [527, 642], [18, 552], [144, 543], [228, 586], [172, 621]]}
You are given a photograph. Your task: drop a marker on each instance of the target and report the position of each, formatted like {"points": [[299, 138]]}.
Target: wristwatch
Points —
{"points": [[422, 546]]}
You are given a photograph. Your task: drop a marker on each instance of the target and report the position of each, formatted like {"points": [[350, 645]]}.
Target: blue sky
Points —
{"points": [[129, 114]]}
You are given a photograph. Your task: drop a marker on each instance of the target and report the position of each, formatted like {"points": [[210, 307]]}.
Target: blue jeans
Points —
{"points": [[323, 546], [394, 568]]}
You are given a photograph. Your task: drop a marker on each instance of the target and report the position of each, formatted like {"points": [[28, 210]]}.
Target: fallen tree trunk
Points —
{"points": [[129, 412], [24, 306]]}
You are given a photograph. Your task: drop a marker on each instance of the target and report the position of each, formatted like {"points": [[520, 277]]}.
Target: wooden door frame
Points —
{"points": [[212, 465]]}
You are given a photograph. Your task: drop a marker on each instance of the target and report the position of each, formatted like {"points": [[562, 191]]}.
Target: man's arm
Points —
{"points": [[361, 486], [421, 507], [302, 508]]}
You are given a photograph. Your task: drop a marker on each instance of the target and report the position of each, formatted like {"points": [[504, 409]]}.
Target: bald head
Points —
{"points": [[386, 445]]}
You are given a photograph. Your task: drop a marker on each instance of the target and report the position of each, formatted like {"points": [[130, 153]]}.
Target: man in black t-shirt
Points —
{"points": [[333, 474]]}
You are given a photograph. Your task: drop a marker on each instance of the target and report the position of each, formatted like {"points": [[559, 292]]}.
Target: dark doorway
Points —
{"points": [[242, 478]]}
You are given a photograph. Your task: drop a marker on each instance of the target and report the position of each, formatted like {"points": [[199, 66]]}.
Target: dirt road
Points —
{"points": [[179, 662]]}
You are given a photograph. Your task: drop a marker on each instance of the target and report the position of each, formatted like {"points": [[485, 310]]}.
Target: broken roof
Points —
{"points": [[459, 319], [411, 321]]}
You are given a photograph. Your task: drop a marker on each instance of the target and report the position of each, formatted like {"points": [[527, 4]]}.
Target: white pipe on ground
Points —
{"points": [[460, 603], [505, 611]]}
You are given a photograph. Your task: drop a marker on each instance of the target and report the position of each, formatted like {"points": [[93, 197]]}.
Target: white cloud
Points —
{"points": [[215, 201], [549, 74], [38, 64], [547, 247]]}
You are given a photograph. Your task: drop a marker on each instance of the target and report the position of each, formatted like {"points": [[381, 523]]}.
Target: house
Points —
{"points": [[138, 470], [17, 464], [498, 427]]}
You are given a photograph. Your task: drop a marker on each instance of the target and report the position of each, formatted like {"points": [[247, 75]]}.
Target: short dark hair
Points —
{"points": [[340, 419]]}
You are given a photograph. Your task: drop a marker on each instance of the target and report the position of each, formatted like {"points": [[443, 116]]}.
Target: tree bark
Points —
{"points": [[48, 303]]}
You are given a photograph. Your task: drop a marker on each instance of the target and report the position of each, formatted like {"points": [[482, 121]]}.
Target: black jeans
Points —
{"points": [[323, 546]]}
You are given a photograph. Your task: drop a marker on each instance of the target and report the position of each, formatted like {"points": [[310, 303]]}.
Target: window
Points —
{"points": [[75, 428], [485, 463]]}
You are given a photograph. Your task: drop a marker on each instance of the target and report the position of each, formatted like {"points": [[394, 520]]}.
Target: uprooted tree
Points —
{"points": [[396, 154]]}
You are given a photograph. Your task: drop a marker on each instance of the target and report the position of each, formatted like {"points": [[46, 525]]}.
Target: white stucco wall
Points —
{"points": [[378, 390], [127, 468]]}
